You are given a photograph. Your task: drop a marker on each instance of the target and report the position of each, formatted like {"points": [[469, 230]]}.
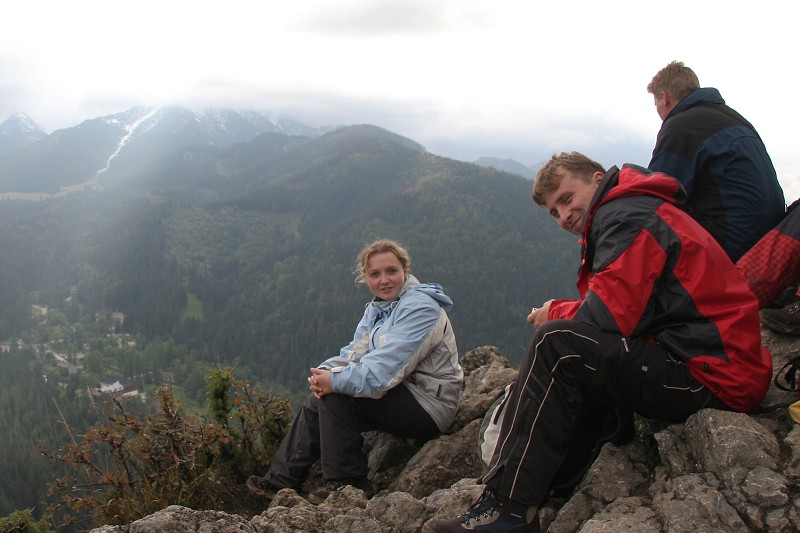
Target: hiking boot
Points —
{"points": [[320, 494], [489, 514], [260, 486], [786, 319]]}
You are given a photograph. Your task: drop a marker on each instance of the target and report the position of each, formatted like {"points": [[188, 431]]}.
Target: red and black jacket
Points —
{"points": [[650, 271]]}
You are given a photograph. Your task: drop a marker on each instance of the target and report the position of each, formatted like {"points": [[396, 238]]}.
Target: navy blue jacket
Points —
{"points": [[719, 158]]}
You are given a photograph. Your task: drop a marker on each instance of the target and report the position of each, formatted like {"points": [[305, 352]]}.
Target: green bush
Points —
{"points": [[135, 465], [23, 522]]}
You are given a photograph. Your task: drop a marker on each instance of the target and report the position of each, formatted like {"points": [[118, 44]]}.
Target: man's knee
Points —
{"points": [[553, 325], [563, 343], [551, 332], [540, 351]]}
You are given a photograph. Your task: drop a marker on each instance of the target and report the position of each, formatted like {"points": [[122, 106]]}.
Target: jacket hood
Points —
{"points": [[634, 180], [434, 290], [702, 96]]}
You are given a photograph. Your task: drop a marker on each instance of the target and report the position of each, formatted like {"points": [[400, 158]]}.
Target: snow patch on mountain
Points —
{"points": [[17, 132], [130, 129]]}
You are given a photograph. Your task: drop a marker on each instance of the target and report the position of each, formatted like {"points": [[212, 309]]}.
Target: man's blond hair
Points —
{"points": [[550, 175], [676, 79]]}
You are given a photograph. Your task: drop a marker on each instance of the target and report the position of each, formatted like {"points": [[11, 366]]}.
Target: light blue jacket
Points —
{"points": [[408, 340]]}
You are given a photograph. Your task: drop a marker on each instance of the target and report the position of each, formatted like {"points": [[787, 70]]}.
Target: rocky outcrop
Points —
{"points": [[718, 471]]}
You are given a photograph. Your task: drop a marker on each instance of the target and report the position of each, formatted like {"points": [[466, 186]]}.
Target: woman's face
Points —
{"points": [[385, 275]]}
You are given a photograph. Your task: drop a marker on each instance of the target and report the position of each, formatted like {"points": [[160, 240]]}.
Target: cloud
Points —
{"points": [[789, 176], [15, 96], [384, 18]]}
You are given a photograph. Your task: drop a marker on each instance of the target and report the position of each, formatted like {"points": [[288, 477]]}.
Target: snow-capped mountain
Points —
{"points": [[117, 144], [17, 132]]}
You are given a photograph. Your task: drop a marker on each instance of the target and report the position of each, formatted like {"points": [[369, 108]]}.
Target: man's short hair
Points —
{"points": [[676, 78], [550, 175]]}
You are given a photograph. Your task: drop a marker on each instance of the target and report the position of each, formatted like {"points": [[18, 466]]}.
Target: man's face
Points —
{"points": [[661, 105], [569, 203]]}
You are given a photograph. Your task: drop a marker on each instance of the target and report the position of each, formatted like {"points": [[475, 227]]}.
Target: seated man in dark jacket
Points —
{"points": [[719, 159], [664, 327]]}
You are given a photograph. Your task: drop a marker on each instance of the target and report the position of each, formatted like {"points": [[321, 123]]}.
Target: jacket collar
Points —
{"points": [[634, 180], [702, 96]]}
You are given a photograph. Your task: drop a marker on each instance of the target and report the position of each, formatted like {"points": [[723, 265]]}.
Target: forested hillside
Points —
{"points": [[31, 409], [261, 239], [243, 256]]}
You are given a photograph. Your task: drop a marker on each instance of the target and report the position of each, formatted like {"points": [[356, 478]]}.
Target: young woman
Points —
{"points": [[400, 374]]}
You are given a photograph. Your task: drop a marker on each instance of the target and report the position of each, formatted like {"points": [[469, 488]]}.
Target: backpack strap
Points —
{"points": [[788, 371]]}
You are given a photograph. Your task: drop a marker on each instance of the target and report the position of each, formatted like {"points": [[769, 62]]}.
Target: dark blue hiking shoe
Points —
{"points": [[489, 514]]}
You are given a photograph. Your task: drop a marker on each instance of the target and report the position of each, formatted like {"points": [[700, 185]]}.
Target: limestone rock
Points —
{"points": [[625, 514], [783, 348], [442, 462], [793, 465], [486, 374], [178, 519]]}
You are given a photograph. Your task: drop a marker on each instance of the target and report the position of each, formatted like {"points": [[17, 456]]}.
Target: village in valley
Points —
{"points": [[63, 350]]}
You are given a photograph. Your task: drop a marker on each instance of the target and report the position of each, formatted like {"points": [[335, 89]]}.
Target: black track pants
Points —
{"points": [[572, 370], [330, 429]]}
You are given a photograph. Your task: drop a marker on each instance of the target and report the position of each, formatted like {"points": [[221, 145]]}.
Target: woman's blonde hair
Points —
{"points": [[379, 247]]}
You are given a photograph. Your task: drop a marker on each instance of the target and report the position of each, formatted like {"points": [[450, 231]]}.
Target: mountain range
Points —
{"points": [[33, 161], [256, 223], [511, 166]]}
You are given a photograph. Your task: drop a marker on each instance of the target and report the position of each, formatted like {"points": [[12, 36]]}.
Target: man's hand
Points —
{"points": [[319, 382], [538, 315]]}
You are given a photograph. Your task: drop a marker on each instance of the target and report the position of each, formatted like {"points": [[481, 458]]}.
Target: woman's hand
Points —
{"points": [[538, 315], [319, 382]]}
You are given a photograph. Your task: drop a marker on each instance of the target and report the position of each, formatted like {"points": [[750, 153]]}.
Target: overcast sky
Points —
{"points": [[465, 78]]}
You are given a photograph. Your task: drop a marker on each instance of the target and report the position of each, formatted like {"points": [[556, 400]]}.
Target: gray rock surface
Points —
{"points": [[718, 471]]}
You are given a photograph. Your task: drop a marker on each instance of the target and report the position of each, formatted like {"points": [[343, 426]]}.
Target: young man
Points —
{"points": [[664, 326], [719, 158]]}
